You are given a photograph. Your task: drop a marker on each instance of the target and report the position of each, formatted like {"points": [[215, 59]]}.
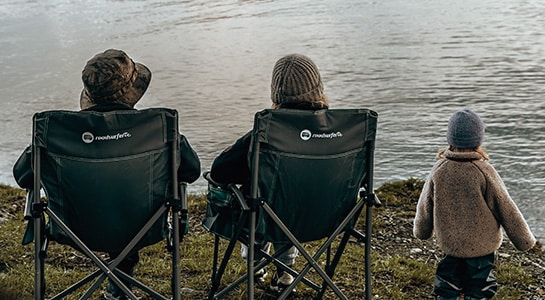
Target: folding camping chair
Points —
{"points": [[110, 185], [311, 176]]}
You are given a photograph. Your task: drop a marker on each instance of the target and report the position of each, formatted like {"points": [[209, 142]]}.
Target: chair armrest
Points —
{"points": [[183, 196], [28, 204], [206, 175], [376, 201], [29, 214], [229, 188], [239, 196]]}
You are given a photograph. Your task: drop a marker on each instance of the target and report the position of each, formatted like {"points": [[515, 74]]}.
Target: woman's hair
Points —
{"points": [[477, 149], [320, 103]]}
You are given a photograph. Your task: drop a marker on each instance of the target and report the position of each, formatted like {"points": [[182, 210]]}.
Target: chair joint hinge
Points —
{"points": [[373, 200], [176, 205], [38, 208], [254, 202]]}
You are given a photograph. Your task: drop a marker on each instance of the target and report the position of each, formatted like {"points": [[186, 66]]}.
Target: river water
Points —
{"points": [[414, 62]]}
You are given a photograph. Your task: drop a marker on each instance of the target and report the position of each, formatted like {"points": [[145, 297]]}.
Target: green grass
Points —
{"points": [[396, 273]]}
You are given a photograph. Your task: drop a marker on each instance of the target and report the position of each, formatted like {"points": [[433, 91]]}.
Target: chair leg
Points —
{"points": [[214, 279], [175, 284], [331, 266], [40, 281], [40, 253], [217, 274], [367, 254]]}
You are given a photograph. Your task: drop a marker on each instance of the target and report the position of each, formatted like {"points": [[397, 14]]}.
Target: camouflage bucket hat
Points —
{"points": [[113, 77]]}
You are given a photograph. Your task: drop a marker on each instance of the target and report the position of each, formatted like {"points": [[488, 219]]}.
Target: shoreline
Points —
{"points": [[398, 259]]}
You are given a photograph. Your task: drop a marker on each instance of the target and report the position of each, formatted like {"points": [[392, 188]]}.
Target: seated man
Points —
{"points": [[112, 81]]}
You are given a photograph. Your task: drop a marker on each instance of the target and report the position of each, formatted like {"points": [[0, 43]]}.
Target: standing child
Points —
{"points": [[465, 203]]}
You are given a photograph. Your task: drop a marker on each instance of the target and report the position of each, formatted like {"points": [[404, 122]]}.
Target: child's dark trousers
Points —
{"points": [[471, 277]]}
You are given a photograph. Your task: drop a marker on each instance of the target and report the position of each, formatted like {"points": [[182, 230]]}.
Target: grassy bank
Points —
{"points": [[403, 267]]}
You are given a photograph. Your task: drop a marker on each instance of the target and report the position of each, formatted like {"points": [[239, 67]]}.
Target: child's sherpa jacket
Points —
{"points": [[465, 203]]}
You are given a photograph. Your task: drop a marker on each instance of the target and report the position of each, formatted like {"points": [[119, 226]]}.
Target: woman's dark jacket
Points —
{"points": [[232, 166], [189, 170]]}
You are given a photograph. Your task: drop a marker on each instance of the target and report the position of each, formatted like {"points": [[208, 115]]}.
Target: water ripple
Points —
{"points": [[415, 62]]}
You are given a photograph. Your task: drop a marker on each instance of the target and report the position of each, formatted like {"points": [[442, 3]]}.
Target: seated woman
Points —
{"points": [[297, 84]]}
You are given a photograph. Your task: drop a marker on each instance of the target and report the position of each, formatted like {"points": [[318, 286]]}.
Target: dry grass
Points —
{"points": [[399, 270]]}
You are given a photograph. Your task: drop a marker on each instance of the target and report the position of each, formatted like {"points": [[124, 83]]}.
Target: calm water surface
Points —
{"points": [[415, 62]]}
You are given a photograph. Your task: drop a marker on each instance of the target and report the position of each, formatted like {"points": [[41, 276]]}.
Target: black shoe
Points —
{"points": [[112, 292]]}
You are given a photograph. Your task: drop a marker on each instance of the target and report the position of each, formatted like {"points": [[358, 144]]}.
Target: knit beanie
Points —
{"points": [[465, 129], [296, 78]]}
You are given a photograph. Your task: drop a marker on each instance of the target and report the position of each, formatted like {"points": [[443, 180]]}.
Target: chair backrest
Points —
{"points": [[105, 173], [309, 166]]}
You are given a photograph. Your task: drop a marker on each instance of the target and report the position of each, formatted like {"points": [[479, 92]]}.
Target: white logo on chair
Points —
{"points": [[88, 137], [305, 135]]}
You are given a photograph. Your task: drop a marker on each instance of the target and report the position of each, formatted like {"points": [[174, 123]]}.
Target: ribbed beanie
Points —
{"points": [[296, 78], [465, 129]]}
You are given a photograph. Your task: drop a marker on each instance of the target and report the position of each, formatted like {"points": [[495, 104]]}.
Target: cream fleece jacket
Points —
{"points": [[465, 203]]}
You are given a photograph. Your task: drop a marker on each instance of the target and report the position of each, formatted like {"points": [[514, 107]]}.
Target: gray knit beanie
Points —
{"points": [[465, 129], [296, 78]]}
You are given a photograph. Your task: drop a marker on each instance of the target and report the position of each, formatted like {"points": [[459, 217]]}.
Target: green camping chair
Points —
{"points": [[110, 185], [311, 177]]}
